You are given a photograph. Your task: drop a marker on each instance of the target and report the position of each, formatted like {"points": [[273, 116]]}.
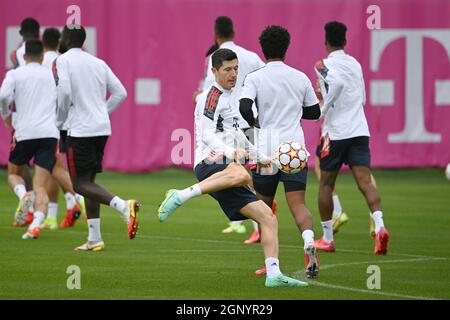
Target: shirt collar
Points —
{"points": [[74, 49], [336, 53], [275, 63], [227, 44], [34, 64], [218, 86]]}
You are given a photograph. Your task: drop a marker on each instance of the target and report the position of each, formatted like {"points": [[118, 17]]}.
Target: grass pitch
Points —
{"points": [[188, 257]]}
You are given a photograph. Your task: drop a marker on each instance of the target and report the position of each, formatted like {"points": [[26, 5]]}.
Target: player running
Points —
{"points": [[342, 86], [83, 83]]}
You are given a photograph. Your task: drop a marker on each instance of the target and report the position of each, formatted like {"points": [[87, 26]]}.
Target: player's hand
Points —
{"points": [[240, 155], [8, 122], [318, 91]]}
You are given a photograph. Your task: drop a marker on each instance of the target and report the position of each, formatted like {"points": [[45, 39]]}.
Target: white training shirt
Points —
{"points": [[280, 92], [248, 62], [19, 55], [49, 57], [217, 132], [32, 89], [342, 86], [83, 82]]}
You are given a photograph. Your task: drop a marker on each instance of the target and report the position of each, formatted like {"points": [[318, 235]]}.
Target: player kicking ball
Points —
{"points": [[218, 168]]}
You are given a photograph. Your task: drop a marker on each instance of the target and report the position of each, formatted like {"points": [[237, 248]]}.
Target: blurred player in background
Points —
{"points": [[248, 61], [283, 96], [342, 86], [83, 81], [33, 91], [50, 40], [220, 146]]}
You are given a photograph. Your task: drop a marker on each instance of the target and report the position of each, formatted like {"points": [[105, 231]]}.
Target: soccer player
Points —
{"points": [[344, 99], [74, 203], [339, 216], [83, 83], [219, 148], [283, 96], [33, 91], [29, 30], [248, 61]]}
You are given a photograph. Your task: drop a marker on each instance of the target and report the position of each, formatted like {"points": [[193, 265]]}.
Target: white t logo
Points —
{"points": [[414, 130]]}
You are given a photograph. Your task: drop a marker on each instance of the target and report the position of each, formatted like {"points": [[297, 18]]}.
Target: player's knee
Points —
{"points": [[240, 177]]}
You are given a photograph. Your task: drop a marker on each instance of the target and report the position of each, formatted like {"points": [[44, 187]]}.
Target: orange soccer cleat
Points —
{"points": [[254, 238], [133, 223], [381, 241], [325, 246], [71, 217], [261, 272]]}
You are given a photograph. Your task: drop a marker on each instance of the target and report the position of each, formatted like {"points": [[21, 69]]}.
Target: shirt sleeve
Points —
{"points": [[310, 96], [208, 119], [63, 90], [333, 85], [7, 94], [116, 88], [249, 88]]}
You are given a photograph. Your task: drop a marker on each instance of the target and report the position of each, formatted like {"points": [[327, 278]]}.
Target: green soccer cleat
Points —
{"points": [[49, 223], [371, 228], [284, 281], [234, 229], [339, 221], [169, 205]]}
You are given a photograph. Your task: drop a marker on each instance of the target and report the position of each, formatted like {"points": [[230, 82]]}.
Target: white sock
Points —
{"points": [[94, 230], [327, 227], [52, 210], [337, 208], [118, 204], [70, 200], [377, 217], [38, 219], [189, 193], [78, 198], [20, 191], [255, 226], [272, 267], [236, 223], [308, 237]]}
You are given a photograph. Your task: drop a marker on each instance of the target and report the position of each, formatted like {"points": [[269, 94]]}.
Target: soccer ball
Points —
{"points": [[447, 172], [291, 157]]}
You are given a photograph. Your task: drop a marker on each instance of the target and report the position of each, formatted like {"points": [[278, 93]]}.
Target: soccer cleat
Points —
{"points": [[49, 223], [371, 228], [235, 229], [254, 238], [21, 214], [261, 272], [339, 221], [284, 281], [82, 206], [325, 246], [28, 219], [274, 207], [169, 205], [32, 234], [381, 241], [312, 263], [71, 217], [91, 246], [133, 224]]}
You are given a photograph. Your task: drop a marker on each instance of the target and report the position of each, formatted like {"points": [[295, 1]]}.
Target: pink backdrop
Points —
{"points": [[167, 40]]}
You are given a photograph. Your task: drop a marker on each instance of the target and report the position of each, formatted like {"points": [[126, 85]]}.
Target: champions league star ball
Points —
{"points": [[291, 157], [447, 172]]}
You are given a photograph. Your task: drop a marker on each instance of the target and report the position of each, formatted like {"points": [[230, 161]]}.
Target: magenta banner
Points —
{"points": [[157, 49]]}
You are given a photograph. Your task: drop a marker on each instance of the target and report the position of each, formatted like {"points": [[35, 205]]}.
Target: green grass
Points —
{"points": [[187, 257]]}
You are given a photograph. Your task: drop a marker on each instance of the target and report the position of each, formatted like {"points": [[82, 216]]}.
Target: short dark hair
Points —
{"points": [[34, 48], [224, 27], [29, 28], [50, 39], [335, 33], [222, 55], [274, 41], [76, 36]]}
